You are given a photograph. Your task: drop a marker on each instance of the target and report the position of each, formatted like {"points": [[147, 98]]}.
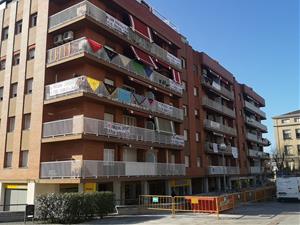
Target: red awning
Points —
{"points": [[141, 28], [176, 76], [163, 64], [143, 56]]}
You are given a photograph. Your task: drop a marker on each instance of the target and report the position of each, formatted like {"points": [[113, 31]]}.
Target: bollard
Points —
{"points": [[173, 207], [217, 208]]}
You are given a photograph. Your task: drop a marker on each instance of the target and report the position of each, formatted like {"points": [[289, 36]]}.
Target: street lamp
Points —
{"points": [[223, 149]]}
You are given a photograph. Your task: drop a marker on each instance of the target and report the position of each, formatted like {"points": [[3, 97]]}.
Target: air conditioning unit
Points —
{"points": [[58, 39], [68, 36]]}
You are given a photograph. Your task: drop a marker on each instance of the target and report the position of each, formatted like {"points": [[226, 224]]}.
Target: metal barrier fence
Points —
{"points": [[205, 204]]}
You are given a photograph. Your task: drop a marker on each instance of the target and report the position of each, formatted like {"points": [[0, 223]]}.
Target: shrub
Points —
{"points": [[73, 207]]}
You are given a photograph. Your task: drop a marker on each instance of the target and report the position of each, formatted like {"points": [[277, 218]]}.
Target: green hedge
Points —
{"points": [[73, 207]]}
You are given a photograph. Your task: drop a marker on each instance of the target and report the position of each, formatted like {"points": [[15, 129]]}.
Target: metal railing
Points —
{"points": [[230, 170], [220, 89], [81, 45], [219, 127], [255, 109], [95, 168], [257, 153], [216, 149], [256, 138], [256, 169], [85, 8], [84, 125], [218, 106], [81, 84], [255, 123]]}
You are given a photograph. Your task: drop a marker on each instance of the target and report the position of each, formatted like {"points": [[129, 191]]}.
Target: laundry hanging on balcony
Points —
{"points": [[110, 52], [93, 83], [143, 57], [139, 99], [124, 95], [137, 68], [148, 71], [141, 28], [121, 60], [95, 46], [176, 76], [110, 88]]}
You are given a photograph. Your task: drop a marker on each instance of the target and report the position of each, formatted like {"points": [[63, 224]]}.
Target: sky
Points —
{"points": [[256, 40]]}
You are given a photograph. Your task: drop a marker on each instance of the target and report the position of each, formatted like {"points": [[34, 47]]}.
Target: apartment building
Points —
{"points": [[104, 95], [287, 135]]}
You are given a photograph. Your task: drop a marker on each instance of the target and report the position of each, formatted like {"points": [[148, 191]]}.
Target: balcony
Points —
{"points": [[256, 170], [85, 84], [218, 88], [258, 154], [79, 125], [255, 109], [96, 169], [87, 10], [78, 48], [214, 148], [215, 126], [218, 107], [228, 170], [255, 138], [256, 124]]}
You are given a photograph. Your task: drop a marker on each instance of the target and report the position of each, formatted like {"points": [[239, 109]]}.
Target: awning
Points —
{"points": [[162, 63], [176, 76], [140, 28], [143, 56]]}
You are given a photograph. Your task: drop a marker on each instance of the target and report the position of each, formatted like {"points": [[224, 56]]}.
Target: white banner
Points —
{"points": [[215, 147], [216, 85], [177, 140], [214, 124], [235, 153], [173, 60], [64, 87], [113, 128], [116, 24], [164, 108]]}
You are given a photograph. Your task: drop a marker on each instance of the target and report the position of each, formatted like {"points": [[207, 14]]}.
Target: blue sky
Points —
{"points": [[257, 40]]}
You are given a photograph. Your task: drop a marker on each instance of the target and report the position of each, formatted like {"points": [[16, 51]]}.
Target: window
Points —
{"points": [[2, 64], [28, 86], [4, 33], [183, 62], [11, 124], [197, 137], [195, 91], [196, 112], [33, 20], [198, 162], [185, 135], [297, 120], [1, 93], [24, 158], [185, 110], [109, 155], [285, 121], [26, 121], [18, 27], [195, 69], [287, 134], [183, 85], [109, 117], [288, 150], [31, 53], [297, 133], [13, 90], [298, 148], [187, 161], [129, 120], [16, 59], [8, 160]]}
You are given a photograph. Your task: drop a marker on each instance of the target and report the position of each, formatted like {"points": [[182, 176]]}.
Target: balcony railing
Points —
{"points": [[87, 9], [84, 125], [88, 85], [217, 87], [255, 138], [256, 169], [230, 170], [212, 125], [95, 169], [218, 107], [216, 149], [255, 109], [256, 124], [80, 46], [259, 154]]}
